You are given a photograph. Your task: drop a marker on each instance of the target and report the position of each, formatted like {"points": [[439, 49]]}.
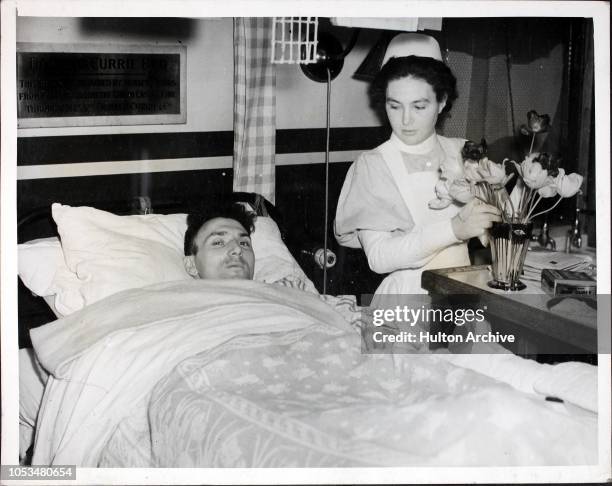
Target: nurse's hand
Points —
{"points": [[473, 219]]}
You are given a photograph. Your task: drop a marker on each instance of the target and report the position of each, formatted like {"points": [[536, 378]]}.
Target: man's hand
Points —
{"points": [[293, 282]]}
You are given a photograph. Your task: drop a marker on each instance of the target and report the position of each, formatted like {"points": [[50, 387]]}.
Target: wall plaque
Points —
{"points": [[83, 85]]}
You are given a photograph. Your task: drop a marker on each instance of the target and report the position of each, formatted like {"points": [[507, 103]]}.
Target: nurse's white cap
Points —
{"points": [[412, 44]]}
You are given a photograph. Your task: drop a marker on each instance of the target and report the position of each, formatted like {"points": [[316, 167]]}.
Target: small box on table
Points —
{"points": [[565, 282]]}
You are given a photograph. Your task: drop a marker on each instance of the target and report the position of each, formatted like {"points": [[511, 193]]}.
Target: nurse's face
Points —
{"points": [[412, 109]]}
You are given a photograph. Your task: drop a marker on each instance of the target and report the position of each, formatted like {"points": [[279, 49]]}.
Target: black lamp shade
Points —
{"points": [[371, 65], [329, 56]]}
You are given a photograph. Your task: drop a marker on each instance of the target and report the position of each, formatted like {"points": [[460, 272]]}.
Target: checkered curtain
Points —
{"points": [[254, 107]]}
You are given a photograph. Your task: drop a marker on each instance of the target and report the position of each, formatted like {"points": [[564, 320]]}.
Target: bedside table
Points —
{"points": [[546, 327]]}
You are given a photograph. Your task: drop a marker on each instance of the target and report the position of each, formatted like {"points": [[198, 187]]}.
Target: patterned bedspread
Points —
{"points": [[244, 374], [309, 398]]}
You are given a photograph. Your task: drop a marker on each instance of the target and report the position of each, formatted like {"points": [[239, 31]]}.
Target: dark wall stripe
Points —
{"points": [[150, 146], [299, 191], [109, 191], [302, 140], [135, 146]]}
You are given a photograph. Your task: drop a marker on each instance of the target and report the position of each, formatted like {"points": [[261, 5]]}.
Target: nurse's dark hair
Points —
{"points": [[430, 70], [229, 210]]}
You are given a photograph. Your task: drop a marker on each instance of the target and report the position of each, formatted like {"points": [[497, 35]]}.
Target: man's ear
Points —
{"points": [[190, 266]]}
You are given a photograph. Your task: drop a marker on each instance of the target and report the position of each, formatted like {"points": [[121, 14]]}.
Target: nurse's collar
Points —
{"points": [[424, 147]]}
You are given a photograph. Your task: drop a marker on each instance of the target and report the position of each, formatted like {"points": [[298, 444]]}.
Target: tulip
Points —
{"points": [[441, 189], [534, 175], [535, 123], [548, 162], [470, 169], [568, 185], [492, 172], [473, 151], [451, 171], [461, 190], [538, 177], [439, 203], [564, 185], [443, 199], [550, 189]]}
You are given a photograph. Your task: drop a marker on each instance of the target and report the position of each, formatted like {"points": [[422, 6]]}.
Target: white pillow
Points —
{"points": [[273, 260], [43, 271], [38, 262], [102, 253], [110, 253]]}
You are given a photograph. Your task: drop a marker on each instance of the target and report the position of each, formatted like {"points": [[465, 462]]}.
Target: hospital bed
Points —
{"points": [[150, 368]]}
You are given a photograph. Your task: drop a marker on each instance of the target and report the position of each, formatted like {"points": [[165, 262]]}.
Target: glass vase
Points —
{"points": [[509, 243]]}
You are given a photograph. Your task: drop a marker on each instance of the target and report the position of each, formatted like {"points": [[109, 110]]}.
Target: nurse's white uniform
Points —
{"points": [[383, 208]]}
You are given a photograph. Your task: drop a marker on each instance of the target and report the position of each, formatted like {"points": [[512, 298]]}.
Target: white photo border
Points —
{"points": [[599, 11]]}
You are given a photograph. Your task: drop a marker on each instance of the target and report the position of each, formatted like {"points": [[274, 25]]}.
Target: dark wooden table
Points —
{"points": [[541, 323]]}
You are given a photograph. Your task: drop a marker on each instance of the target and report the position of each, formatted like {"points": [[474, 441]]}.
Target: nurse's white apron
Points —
{"points": [[417, 189]]}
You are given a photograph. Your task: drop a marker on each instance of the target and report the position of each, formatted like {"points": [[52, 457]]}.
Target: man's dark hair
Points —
{"points": [[430, 70], [229, 210]]}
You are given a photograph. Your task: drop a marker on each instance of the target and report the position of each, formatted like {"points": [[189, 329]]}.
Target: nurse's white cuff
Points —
{"points": [[390, 251], [440, 234]]}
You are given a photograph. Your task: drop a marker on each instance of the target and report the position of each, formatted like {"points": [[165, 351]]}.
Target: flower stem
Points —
{"points": [[480, 199], [532, 140], [549, 209], [535, 199], [532, 207], [511, 206], [527, 195]]}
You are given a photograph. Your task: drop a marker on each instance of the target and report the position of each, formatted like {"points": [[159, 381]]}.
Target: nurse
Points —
{"points": [[383, 206]]}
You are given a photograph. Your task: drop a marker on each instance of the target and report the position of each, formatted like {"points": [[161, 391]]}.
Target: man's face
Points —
{"points": [[223, 251]]}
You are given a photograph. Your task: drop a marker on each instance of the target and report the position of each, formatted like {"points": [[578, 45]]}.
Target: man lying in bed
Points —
{"points": [[217, 245]]}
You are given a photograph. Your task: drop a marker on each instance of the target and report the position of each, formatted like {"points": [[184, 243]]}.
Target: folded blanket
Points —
{"points": [[61, 341], [105, 359]]}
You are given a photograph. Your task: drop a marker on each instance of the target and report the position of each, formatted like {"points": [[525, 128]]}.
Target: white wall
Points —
{"points": [[301, 102]]}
